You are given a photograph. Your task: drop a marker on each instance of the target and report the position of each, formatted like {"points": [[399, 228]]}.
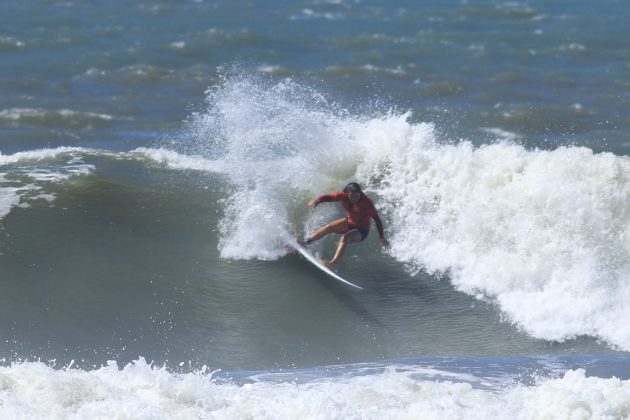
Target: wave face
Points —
{"points": [[544, 234], [140, 390]]}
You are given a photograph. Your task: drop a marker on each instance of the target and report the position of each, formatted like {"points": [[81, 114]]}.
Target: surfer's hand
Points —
{"points": [[385, 243], [313, 203]]}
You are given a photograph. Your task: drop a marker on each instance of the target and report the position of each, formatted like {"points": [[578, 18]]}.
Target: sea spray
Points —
{"points": [[279, 144]]}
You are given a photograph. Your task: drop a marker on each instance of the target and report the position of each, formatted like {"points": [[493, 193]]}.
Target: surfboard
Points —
{"points": [[317, 263]]}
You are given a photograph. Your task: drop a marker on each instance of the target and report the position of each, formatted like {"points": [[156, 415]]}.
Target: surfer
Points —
{"points": [[355, 227]]}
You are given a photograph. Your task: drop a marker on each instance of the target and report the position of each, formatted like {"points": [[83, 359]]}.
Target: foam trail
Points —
{"points": [[139, 390]]}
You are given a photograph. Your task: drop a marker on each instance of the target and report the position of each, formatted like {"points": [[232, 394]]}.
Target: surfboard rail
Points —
{"points": [[317, 263]]}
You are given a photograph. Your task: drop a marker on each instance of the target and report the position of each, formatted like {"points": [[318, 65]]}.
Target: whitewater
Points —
{"points": [[140, 390]]}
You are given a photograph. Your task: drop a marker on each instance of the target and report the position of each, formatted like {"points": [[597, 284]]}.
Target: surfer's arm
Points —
{"points": [[379, 225], [326, 199], [381, 231]]}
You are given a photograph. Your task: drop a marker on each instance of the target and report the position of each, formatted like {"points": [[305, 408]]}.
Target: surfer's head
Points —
{"points": [[354, 191]]}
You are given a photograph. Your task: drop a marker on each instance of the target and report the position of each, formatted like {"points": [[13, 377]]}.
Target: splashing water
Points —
{"points": [[545, 234]]}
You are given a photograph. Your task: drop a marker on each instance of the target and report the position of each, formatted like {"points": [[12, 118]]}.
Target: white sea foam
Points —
{"points": [[501, 134], [9, 197], [10, 42], [33, 176], [573, 47], [42, 154], [178, 45], [42, 167], [38, 115], [397, 71], [311, 14], [544, 234], [271, 69], [139, 390], [175, 160]]}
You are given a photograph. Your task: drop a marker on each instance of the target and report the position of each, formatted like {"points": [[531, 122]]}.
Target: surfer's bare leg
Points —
{"points": [[350, 237], [339, 226]]}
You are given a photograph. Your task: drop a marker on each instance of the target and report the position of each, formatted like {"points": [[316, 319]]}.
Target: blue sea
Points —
{"points": [[155, 156]]}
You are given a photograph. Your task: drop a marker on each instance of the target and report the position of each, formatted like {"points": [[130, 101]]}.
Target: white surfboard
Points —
{"points": [[317, 263]]}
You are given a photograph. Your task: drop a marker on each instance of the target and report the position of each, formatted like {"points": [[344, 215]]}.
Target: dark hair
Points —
{"points": [[352, 187]]}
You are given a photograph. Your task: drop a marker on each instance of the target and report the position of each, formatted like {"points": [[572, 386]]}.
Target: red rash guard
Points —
{"points": [[359, 214]]}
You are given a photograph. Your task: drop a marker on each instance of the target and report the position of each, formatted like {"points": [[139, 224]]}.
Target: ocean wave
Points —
{"points": [[274, 69], [504, 10], [543, 234], [140, 390], [55, 118], [23, 177], [312, 14], [353, 71], [143, 73], [501, 134], [572, 47], [44, 154], [371, 68], [175, 160], [10, 43], [9, 198]]}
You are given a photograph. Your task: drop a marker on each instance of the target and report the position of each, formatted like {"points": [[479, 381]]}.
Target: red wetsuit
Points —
{"points": [[358, 215]]}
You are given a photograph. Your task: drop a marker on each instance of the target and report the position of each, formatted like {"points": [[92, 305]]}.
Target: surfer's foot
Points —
{"points": [[306, 241], [328, 263]]}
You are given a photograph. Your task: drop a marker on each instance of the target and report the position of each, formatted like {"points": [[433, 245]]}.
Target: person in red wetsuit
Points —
{"points": [[355, 227]]}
